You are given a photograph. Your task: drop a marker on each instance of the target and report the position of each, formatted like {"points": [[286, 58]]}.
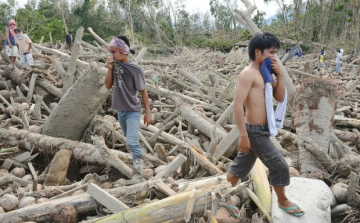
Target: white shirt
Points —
{"points": [[338, 58]]}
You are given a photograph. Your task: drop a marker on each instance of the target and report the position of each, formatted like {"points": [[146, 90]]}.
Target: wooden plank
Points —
{"points": [[32, 170], [22, 157], [164, 188], [106, 199], [143, 139]]}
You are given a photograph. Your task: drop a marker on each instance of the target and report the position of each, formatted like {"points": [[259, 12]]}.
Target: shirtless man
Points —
{"points": [[254, 132]]}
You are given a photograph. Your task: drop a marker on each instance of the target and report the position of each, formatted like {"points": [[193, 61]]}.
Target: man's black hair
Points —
{"points": [[262, 41], [126, 40], [17, 30], [70, 32]]}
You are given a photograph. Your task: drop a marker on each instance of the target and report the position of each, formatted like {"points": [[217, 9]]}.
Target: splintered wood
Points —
{"points": [[62, 145]]}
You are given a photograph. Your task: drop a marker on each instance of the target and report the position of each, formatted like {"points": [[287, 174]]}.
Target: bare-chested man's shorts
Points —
{"points": [[265, 150]]}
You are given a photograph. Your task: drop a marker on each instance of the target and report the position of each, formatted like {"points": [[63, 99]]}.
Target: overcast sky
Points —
{"points": [[203, 6]]}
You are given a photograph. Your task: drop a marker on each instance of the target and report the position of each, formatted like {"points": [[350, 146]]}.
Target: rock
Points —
{"points": [[119, 183], [223, 216], [106, 185], [154, 110], [42, 200], [4, 171], [2, 210], [313, 196], [26, 201], [28, 177], [18, 172], [13, 128], [34, 129], [64, 213], [340, 192], [316, 175], [24, 106], [294, 172], [148, 174]]}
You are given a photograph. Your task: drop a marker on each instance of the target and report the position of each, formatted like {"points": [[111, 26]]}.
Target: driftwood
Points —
{"points": [[193, 133], [75, 51], [65, 121]]}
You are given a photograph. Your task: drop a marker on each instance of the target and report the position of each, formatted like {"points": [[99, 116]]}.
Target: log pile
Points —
{"points": [[65, 159]]}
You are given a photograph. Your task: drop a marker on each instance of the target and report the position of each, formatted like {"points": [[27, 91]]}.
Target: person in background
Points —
{"points": [[68, 40], [338, 60], [300, 53], [127, 79], [24, 45], [10, 45], [321, 64]]}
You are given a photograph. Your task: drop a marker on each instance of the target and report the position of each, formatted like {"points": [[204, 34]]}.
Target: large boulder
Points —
{"points": [[313, 196]]}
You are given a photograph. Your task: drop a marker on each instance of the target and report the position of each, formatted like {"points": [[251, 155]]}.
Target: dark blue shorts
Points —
{"points": [[265, 150]]}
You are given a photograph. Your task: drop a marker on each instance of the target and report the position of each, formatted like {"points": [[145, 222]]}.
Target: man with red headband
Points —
{"points": [[10, 45], [127, 78]]}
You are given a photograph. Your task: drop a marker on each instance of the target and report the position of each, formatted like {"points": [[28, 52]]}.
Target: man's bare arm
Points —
{"points": [[145, 98], [244, 84], [279, 84], [8, 38]]}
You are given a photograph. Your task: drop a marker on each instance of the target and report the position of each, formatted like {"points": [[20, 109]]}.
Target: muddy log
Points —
{"points": [[199, 122], [16, 75], [313, 112], [41, 212], [49, 87], [47, 144], [78, 106]]}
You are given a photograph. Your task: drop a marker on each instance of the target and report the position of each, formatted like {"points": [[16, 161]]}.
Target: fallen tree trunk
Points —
{"points": [[190, 77], [313, 112], [47, 144], [49, 87], [15, 75], [339, 168], [169, 208], [98, 38], [88, 94], [41, 212], [200, 123], [204, 162], [75, 51], [64, 56], [170, 94]]}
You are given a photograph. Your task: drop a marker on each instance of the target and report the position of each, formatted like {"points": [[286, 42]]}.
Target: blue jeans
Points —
{"points": [[338, 67], [130, 124]]}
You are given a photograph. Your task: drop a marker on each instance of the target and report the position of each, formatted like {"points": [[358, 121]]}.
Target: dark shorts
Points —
{"points": [[265, 150]]}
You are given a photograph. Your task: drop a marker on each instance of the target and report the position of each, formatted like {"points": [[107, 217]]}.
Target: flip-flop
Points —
{"points": [[293, 208], [229, 207]]}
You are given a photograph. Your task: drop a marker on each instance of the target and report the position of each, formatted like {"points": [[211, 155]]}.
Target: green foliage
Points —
{"points": [[224, 44], [259, 19], [5, 15]]}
